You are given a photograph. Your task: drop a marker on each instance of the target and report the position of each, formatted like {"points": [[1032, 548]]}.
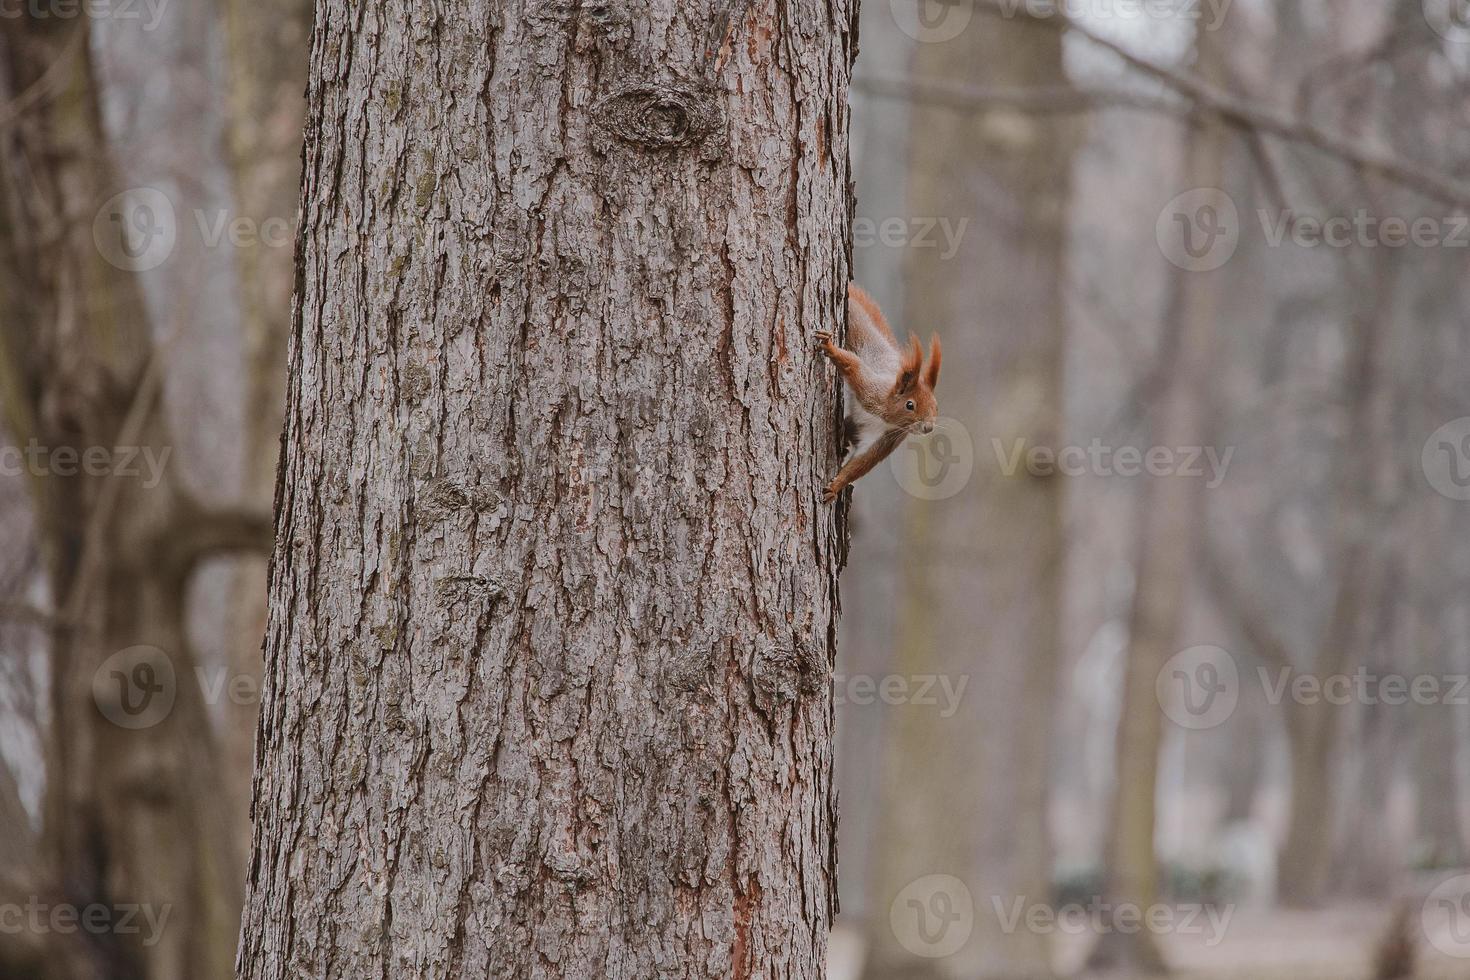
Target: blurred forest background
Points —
{"points": [[1172, 614]]}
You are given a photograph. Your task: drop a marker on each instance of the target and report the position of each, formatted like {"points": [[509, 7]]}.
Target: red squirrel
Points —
{"points": [[890, 391]]}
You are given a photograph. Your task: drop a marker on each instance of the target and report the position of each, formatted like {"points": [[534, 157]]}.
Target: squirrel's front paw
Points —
{"points": [[829, 494], [824, 340]]}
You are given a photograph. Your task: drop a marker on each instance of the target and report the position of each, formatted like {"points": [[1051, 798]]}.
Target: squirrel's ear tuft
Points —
{"points": [[911, 365], [936, 355]]}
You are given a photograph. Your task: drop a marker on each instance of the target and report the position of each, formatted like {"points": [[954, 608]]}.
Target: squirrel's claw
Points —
{"points": [[830, 492], [824, 340]]}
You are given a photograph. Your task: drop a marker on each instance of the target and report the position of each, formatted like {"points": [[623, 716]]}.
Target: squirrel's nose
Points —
{"points": [[927, 428]]}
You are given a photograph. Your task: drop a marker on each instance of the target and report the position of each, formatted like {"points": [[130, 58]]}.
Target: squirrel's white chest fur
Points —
{"points": [[883, 361], [867, 427]]}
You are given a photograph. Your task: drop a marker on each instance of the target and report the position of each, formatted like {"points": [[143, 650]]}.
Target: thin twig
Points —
{"points": [[145, 398], [1234, 110], [43, 87]]}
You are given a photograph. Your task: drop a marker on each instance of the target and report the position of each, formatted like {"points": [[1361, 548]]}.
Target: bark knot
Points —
{"points": [[659, 117], [468, 588]]}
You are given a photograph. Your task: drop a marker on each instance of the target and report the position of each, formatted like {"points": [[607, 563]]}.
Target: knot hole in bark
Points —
{"points": [[662, 117]]}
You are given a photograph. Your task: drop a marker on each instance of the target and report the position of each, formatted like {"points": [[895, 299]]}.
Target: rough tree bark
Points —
{"points": [[553, 599]]}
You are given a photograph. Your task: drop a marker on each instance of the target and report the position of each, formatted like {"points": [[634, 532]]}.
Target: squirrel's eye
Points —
{"points": [[910, 406]]}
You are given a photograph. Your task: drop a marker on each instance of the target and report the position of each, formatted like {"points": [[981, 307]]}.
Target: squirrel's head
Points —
{"points": [[911, 405]]}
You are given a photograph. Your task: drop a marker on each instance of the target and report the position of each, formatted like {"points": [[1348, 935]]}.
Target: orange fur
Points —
{"points": [[892, 386], [865, 304], [936, 354]]}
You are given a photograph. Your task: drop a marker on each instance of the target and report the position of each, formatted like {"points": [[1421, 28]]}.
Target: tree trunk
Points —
{"points": [[1369, 849], [1439, 744], [1437, 750], [965, 774], [1169, 516], [553, 602], [1314, 726]]}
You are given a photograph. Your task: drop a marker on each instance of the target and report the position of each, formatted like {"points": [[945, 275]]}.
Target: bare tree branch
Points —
{"points": [[204, 533], [1041, 99], [144, 398], [1239, 112], [30, 613]]}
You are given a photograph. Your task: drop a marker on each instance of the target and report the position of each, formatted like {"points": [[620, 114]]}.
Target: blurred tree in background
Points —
{"points": [[1000, 183], [1137, 227], [153, 813]]}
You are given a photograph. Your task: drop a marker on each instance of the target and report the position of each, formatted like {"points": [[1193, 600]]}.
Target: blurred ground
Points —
{"points": [[1261, 944], [1266, 944]]}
